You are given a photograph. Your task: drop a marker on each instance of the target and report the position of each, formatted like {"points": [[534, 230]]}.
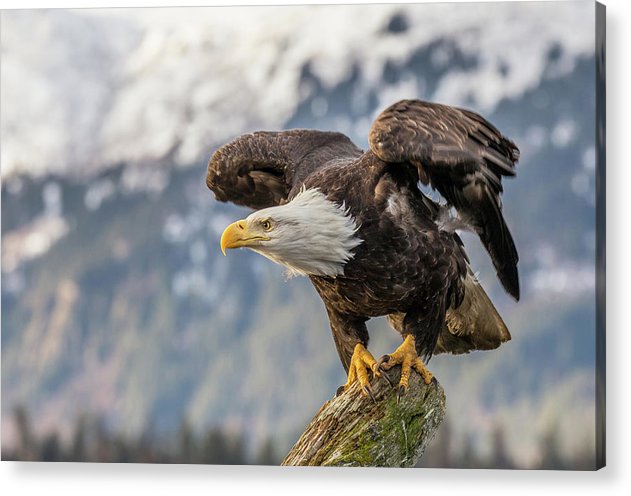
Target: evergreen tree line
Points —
{"points": [[442, 454], [92, 442]]}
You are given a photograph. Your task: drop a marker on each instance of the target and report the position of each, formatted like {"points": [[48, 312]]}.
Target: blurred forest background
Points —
{"points": [[126, 336]]}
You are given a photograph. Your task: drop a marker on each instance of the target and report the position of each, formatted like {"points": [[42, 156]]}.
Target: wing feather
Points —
{"points": [[259, 170], [464, 157]]}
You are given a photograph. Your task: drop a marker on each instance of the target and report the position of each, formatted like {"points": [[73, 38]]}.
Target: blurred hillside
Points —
{"points": [[116, 301]]}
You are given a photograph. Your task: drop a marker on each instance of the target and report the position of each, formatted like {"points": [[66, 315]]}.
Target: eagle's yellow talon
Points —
{"points": [[406, 356], [375, 369], [361, 362], [419, 366]]}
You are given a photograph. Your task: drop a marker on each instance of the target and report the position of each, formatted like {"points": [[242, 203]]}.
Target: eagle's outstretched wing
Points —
{"points": [[259, 170], [464, 157]]}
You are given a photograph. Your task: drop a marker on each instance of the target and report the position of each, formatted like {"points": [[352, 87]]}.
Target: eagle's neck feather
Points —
{"points": [[316, 236]]}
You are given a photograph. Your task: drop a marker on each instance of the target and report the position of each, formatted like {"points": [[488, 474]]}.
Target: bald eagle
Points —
{"points": [[358, 225]]}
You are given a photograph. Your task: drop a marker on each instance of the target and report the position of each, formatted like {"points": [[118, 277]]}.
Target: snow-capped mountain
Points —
{"points": [[87, 89]]}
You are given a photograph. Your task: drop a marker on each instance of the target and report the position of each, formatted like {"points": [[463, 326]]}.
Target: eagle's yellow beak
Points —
{"points": [[237, 235], [234, 236]]}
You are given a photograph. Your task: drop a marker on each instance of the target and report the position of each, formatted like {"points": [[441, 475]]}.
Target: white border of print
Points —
{"points": [[108, 479]]}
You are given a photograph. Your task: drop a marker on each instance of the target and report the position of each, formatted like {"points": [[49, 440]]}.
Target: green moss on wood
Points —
{"points": [[351, 430]]}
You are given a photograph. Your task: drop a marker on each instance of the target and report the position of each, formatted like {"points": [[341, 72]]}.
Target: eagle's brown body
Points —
{"points": [[408, 266]]}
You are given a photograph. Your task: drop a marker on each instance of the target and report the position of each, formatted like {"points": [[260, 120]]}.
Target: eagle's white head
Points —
{"points": [[309, 235]]}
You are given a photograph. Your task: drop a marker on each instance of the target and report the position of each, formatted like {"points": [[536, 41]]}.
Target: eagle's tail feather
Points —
{"points": [[474, 325]]}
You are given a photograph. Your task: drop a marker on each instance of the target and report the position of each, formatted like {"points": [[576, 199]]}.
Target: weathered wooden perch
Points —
{"points": [[352, 430]]}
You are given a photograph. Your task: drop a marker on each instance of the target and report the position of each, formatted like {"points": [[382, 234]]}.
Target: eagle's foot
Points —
{"points": [[361, 362], [406, 356]]}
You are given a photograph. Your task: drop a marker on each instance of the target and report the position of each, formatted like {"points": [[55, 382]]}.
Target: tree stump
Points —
{"points": [[352, 430]]}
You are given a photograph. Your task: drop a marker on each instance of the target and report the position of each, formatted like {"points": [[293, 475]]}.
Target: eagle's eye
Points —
{"points": [[266, 224]]}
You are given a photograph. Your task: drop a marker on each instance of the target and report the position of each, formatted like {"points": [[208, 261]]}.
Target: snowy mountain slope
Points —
{"points": [[60, 74], [88, 89]]}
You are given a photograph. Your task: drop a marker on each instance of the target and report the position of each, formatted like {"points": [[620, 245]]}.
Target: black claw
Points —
{"points": [[340, 390], [401, 392], [368, 391], [383, 359], [385, 375], [434, 383]]}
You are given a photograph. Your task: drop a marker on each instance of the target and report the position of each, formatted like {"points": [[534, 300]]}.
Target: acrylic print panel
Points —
{"points": [[128, 337]]}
